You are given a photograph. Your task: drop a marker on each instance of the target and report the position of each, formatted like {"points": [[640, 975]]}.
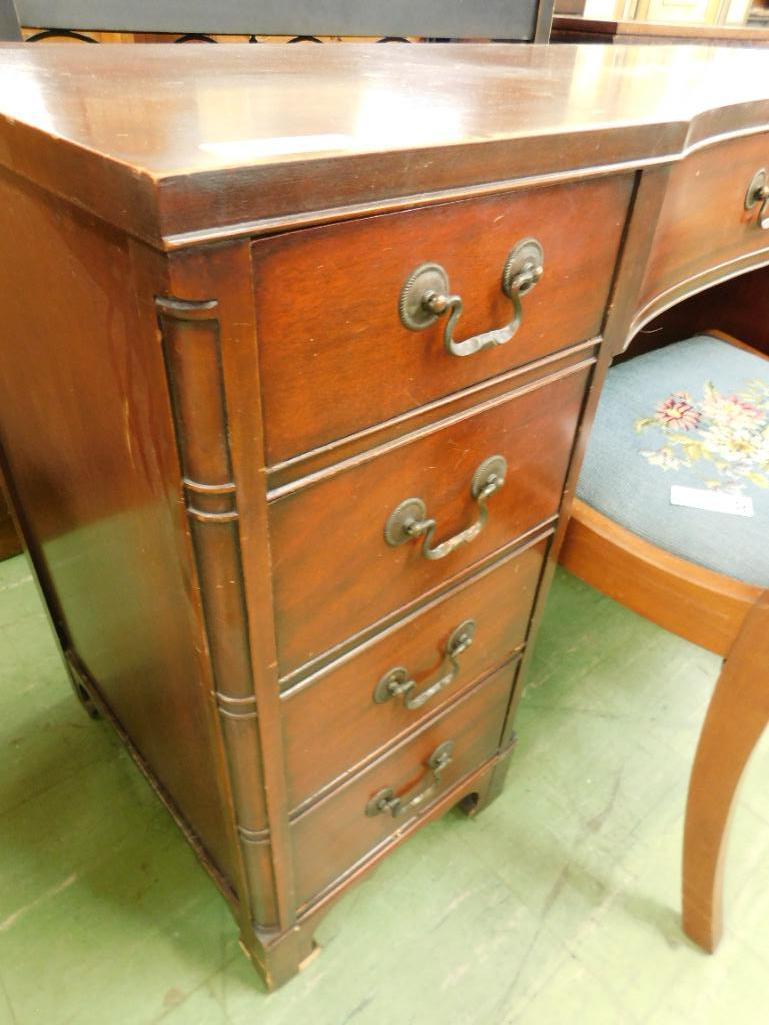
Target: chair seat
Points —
{"points": [[695, 413]]}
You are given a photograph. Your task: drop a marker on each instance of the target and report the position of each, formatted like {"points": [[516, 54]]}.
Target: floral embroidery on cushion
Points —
{"points": [[678, 411], [727, 434]]}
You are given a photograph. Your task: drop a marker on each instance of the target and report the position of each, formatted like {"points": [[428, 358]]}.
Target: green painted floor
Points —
{"points": [[558, 905]]}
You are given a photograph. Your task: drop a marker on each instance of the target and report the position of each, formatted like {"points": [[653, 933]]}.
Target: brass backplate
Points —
{"points": [[526, 252], [493, 466], [412, 510], [465, 631], [443, 751], [426, 278]]}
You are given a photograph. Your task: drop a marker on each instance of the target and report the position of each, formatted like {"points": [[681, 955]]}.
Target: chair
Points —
{"points": [[304, 20], [694, 413]]}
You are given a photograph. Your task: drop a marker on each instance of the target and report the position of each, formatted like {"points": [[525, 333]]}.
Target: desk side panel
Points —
{"points": [[86, 430]]}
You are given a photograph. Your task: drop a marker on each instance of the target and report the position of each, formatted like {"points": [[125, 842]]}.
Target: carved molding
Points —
{"points": [[191, 350]]}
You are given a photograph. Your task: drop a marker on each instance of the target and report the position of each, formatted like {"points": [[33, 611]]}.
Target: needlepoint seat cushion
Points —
{"points": [[696, 414]]}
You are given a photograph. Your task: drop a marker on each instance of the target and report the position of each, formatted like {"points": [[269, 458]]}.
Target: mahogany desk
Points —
{"points": [[300, 347]]}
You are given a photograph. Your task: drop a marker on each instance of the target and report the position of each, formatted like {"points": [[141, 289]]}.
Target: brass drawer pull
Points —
{"points": [[425, 297], [397, 682], [385, 800], [758, 192], [409, 519]]}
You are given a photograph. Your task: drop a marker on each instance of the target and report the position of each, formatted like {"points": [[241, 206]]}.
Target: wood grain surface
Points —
{"points": [[323, 852], [334, 573], [176, 144], [339, 701], [88, 441], [703, 222], [334, 354]]}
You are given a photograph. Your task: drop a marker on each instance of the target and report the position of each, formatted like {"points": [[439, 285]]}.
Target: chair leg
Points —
{"points": [[736, 717]]}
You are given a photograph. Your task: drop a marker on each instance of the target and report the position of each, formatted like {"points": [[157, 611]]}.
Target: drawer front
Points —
{"points": [[334, 573], [359, 700], [704, 220], [337, 832], [334, 355]]}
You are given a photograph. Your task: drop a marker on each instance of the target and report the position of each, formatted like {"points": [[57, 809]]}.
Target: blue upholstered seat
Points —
{"points": [[695, 413]]}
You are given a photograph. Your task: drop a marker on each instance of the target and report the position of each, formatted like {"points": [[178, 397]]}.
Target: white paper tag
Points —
{"points": [[711, 501]]}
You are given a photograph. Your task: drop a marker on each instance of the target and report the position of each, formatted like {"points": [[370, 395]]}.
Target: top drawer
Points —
{"points": [[705, 220], [334, 355]]}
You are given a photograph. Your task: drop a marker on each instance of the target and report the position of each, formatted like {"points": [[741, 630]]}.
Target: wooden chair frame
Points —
{"points": [[725, 616]]}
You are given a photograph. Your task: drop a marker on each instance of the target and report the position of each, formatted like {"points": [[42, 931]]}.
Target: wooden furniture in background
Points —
{"points": [[573, 28], [662, 17], [306, 344]]}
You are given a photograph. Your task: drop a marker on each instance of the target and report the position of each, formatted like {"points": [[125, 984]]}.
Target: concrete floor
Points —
{"points": [[558, 905]]}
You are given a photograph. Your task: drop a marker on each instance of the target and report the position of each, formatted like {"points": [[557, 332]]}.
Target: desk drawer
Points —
{"points": [[334, 355], [350, 700], [334, 572], [704, 221], [334, 834]]}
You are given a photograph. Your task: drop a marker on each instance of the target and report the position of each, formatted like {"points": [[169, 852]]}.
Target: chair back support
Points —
{"points": [[9, 22], [520, 20]]}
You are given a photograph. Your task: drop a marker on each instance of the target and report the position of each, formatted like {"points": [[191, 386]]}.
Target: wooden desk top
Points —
{"points": [[175, 144]]}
